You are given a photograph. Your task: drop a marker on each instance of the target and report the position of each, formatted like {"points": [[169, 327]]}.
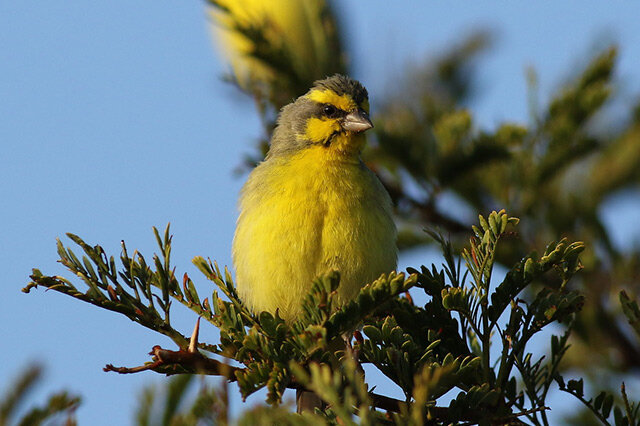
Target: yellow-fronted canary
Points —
{"points": [[312, 205]]}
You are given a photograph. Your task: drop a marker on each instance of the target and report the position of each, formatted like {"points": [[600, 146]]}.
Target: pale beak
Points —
{"points": [[357, 121]]}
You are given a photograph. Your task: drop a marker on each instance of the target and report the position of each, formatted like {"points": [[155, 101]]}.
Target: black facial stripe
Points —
{"points": [[334, 112], [328, 140]]}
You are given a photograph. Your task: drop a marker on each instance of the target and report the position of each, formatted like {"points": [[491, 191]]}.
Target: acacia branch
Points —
{"points": [[187, 362], [180, 362], [183, 361]]}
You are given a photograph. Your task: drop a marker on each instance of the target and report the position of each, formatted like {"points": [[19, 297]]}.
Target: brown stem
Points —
{"points": [[180, 362]]}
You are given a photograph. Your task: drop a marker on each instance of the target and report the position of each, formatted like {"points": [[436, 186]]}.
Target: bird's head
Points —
{"points": [[332, 114]]}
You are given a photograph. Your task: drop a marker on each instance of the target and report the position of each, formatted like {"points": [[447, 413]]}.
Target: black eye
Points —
{"points": [[330, 111]]}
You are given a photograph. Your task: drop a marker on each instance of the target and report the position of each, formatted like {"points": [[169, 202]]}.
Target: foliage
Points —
{"points": [[59, 406], [428, 351], [555, 174]]}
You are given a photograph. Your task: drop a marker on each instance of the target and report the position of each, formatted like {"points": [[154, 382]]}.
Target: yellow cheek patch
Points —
{"points": [[320, 129], [343, 102]]}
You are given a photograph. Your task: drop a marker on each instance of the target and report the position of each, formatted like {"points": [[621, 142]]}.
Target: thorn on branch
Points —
{"points": [[193, 343]]}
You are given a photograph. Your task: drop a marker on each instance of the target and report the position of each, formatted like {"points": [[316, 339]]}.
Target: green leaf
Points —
{"points": [[606, 405], [576, 387], [631, 311], [373, 333]]}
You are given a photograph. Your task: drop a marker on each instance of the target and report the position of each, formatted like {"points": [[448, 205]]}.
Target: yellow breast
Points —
{"points": [[304, 215]]}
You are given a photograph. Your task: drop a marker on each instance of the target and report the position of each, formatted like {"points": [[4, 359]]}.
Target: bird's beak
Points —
{"points": [[357, 121]]}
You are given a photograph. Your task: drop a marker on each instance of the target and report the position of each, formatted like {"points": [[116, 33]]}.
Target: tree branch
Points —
{"points": [[186, 362], [180, 362]]}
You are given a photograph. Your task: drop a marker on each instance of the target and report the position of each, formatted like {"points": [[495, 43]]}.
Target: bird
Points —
{"points": [[312, 206]]}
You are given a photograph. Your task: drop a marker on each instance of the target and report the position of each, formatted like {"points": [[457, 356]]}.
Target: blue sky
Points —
{"points": [[113, 119]]}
